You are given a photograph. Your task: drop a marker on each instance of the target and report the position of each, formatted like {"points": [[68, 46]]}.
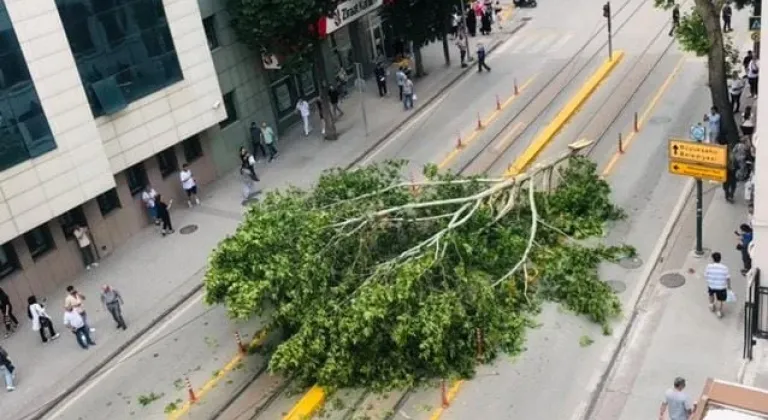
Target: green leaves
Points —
{"points": [[350, 271]]}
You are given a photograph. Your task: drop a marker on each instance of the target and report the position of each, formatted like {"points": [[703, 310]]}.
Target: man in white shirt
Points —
{"points": [[75, 322], [753, 70], [148, 197], [718, 283], [736, 88], [302, 107], [713, 124], [84, 243], [188, 184]]}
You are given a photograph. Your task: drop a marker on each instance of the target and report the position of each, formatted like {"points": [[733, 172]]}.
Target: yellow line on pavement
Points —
{"points": [[570, 109], [307, 405], [199, 394], [449, 397], [643, 118]]}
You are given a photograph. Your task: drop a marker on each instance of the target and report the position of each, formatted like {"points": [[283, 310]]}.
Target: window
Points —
{"points": [[209, 24], [8, 260], [137, 178], [24, 129], [167, 162], [39, 241], [192, 148], [229, 106], [108, 202], [71, 219], [123, 49]]}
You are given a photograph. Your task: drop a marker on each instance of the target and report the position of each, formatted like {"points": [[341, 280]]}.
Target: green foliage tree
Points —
{"points": [[288, 29], [374, 284], [700, 33]]}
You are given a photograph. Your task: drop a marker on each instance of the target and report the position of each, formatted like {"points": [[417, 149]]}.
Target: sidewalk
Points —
{"points": [[156, 275], [674, 333]]}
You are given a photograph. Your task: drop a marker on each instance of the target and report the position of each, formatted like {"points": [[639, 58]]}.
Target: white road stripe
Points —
{"points": [[560, 44]]}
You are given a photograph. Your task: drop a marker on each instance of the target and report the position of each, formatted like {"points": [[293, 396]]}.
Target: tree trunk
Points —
{"points": [[419, 62], [330, 123], [718, 84], [446, 50]]}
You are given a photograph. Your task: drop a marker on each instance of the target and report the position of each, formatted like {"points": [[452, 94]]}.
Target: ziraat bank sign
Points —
{"points": [[347, 12]]}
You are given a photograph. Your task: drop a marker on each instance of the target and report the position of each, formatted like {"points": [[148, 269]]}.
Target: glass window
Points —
{"points": [[229, 105], [167, 162], [108, 202], [9, 262], [209, 24], [39, 241], [24, 130], [137, 178], [192, 148], [123, 49], [72, 219]]}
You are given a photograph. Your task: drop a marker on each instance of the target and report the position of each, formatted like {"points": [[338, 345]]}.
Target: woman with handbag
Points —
{"points": [[745, 238], [40, 319], [6, 311]]}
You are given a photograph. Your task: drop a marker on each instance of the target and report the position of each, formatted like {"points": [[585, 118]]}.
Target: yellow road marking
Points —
{"points": [[643, 118], [568, 111], [450, 397], [199, 394], [307, 405], [509, 136]]}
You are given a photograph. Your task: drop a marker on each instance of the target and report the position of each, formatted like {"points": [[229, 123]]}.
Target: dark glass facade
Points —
{"points": [[123, 49], [24, 130]]}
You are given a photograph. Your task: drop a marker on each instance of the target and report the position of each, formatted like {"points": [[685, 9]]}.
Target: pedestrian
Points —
{"points": [[747, 59], [736, 88], [9, 319], [497, 9], [247, 173], [481, 59], [727, 13], [486, 21], [148, 197], [302, 107], [256, 142], [461, 43], [408, 94], [455, 21], [745, 238], [676, 402], [9, 371], [75, 322], [113, 301], [713, 124], [83, 239], [471, 22], [76, 300], [748, 122], [718, 283], [381, 79], [164, 213], [333, 97], [40, 319], [189, 184], [753, 72], [269, 137], [731, 181], [675, 19], [400, 77]]}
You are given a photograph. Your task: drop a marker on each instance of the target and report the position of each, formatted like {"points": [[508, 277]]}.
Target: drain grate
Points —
{"points": [[186, 230], [617, 286], [672, 280], [631, 263]]}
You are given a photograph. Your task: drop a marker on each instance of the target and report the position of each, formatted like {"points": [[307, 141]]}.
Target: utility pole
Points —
{"points": [[698, 132], [360, 83], [607, 16], [466, 30]]}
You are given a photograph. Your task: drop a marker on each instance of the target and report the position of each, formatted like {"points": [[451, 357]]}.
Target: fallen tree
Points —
{"points": [[378, 285]]}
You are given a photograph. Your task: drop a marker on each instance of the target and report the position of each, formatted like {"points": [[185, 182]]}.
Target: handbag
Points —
{"points": [[731, 297]]}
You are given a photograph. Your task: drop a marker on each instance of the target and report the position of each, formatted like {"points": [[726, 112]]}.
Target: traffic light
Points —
{"points": [[607, 10]]}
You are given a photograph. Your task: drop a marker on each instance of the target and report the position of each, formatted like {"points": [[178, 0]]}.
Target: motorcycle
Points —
{"points": [[525, 3]]}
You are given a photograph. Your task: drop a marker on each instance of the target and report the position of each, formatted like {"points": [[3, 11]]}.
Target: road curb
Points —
{"points": [[53, 403], [425, 104], [617, 343]]}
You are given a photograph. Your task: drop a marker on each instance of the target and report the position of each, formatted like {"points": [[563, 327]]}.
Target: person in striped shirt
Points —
{"points": [[718, 283]]}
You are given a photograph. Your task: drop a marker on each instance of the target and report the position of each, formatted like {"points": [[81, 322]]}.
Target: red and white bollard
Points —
{"points": [[479, 122], [637, 123], [192, 396], [444, 395], [498, 103], [459, 144], [517, 90], [239, 340]]}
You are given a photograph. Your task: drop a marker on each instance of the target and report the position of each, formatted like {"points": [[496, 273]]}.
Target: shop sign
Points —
{"points": [[347, 12]]}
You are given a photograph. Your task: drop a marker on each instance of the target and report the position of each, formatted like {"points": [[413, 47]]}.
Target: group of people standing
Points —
{"points": [[159, 210], [483, 11]]}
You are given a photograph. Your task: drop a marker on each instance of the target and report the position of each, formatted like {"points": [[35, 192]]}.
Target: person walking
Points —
{"points": [[748, 122], [675, 19], [400, 77], [247, 173], [40, 319], [9, 371], [727, 13], [461, 43], [113, 301], [256, 142], [83, 238], [302, 107], [189, 184], [713, 124], [76, 300], [75, 322], [381, 79], [736, 88], [333, 98], [481, 59], [148, 197], [408, 94], [269, 140], [753, 71], [718, 284], [676, 402], [6, 309], [745, 238], [164, 213], [746, 60]]}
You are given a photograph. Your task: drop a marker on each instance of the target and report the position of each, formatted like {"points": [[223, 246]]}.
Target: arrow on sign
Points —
{"points": [[754, 23], [674, 150]]}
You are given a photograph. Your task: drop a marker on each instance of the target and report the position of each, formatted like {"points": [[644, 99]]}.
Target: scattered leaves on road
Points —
{"points": [[145, 400], [585, 341]]}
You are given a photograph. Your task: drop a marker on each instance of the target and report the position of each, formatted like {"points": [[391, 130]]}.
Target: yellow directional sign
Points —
{"points": [[698, 171], [701, 153]]}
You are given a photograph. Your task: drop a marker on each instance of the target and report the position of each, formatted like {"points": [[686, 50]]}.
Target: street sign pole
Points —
{"points": [[698, 133], [607, 15]]}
